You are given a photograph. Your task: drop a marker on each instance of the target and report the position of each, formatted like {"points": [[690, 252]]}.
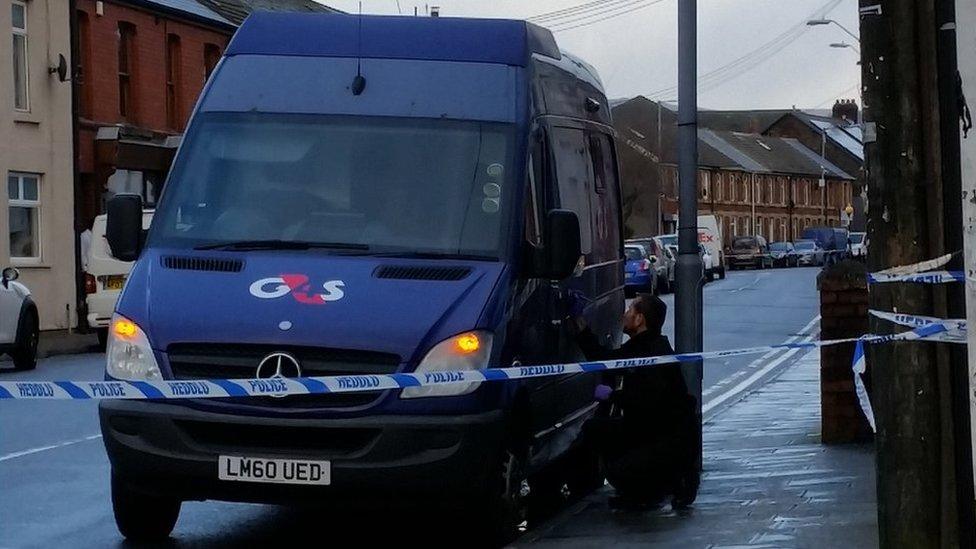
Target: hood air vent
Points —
{"points": [[203, 264], [404, 272]]}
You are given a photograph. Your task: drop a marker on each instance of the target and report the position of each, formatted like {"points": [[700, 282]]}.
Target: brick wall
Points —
{"points": [[149, 60], [844, 314]]}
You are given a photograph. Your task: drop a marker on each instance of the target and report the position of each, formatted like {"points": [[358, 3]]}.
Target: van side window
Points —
{"points": [[573, 175], [605, 200]]}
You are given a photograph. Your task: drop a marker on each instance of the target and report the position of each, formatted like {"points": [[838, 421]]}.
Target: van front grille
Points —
{"points": [[233, 361], [211, 264], [408, 272]]}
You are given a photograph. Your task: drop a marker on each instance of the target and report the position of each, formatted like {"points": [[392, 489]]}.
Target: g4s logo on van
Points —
{"points": [[299, 287]]}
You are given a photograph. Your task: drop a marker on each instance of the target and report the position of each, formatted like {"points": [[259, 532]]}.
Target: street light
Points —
{"points": [[845, 45], [819, 22]]}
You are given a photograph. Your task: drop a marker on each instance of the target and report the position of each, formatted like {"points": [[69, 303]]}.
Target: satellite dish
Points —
{"points": [[61, 69]]}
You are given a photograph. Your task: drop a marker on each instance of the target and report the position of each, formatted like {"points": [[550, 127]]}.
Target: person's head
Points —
{"points": [[646, 313]]}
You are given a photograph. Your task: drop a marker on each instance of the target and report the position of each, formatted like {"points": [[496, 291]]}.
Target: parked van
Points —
{"points": [[104, 277], [440, 198], [709, 236], [835, 242]]}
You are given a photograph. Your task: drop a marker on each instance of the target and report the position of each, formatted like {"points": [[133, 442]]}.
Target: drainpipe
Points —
{"points": [[753, 185]]}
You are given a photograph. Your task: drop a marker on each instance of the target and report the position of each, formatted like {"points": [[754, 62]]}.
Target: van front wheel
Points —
{"points": [[504, 507], [141, 517]]}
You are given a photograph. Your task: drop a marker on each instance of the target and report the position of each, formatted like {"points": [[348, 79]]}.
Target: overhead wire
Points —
{"points": [[752, 59]]}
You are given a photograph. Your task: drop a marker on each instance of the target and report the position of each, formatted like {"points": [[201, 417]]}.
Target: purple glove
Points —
{"points": [[602, 393]]}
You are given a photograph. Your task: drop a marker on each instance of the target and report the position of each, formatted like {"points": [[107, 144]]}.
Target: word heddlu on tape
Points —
{"points": [[223, 388]]}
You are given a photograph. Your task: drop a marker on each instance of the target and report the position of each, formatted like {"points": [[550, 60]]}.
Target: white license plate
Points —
{"points": [[628, 275], [278, 471]]}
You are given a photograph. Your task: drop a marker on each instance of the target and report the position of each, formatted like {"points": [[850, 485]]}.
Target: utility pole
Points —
{"points": [[921, 500], [688, 278]]}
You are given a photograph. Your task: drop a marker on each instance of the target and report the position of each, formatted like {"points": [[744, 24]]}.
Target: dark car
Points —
{"points": [[783, 254], [749, 251], [639, 273]]}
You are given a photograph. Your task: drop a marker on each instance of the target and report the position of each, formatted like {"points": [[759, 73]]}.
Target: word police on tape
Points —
{"points": [[222, 388]]}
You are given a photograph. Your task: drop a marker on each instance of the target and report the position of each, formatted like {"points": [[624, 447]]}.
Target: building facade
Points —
{"points": [[36, 155], [140, 67]]}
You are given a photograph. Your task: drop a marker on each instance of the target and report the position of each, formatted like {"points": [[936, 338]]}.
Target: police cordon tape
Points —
{"points": [[930, 277], [223, 388]]}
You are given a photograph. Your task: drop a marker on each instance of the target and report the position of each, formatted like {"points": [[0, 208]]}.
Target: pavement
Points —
{"points": [[54, 474], [65, 342], [768, 482]]}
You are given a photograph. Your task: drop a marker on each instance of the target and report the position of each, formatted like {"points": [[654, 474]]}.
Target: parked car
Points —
{"points": [[859, 245], [749, 251], [702, 253], [19, 326], [783, 254], [833, 241], [639, 274], [809, 252], [269, 255], [671, 264], [663, 267], [104, 277]]}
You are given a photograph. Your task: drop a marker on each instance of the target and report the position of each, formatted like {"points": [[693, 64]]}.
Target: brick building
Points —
{"points": [[753, 183], [141, 65]]}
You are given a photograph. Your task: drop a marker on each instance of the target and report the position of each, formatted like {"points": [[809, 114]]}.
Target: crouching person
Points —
{"points": [[645, 433]]}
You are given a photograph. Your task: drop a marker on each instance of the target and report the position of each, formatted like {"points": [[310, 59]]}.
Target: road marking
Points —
{"points": [[23, 453], [751, 286], [748, 382]]}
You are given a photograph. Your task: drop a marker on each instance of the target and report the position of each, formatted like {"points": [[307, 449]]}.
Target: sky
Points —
{"points": [[776, 60]]}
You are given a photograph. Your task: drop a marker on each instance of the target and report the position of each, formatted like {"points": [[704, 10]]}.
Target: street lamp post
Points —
{"points": [[819, 22]]}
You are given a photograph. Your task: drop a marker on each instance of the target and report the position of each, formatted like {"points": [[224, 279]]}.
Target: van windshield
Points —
{"points": [[378, 185]]}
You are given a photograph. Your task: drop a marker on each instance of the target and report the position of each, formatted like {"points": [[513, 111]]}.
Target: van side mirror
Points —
{"points": [[563, 248], [123, 226], [653, 259]]}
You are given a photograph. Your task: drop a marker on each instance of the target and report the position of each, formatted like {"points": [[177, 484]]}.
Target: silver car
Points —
{"points": [[808, 252]]}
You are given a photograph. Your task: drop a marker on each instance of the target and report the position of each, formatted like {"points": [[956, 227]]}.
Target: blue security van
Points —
{"points": [[368, 196]]}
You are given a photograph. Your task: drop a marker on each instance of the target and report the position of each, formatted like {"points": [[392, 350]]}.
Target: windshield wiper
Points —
{"points": [[244, 245]]}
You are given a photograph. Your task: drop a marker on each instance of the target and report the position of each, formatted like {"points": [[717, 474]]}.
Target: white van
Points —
{"points": [[710, 236], [104, 277]]}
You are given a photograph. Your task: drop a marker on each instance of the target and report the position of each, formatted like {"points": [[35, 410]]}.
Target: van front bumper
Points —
{"points": [[172, 450]]}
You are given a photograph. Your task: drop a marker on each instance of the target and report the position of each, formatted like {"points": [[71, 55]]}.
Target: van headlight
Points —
{"points": [[128, 353], [467, 351]]}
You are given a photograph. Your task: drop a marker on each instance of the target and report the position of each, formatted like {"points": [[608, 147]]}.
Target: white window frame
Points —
{"points": [[20, 202], [14, 31]]}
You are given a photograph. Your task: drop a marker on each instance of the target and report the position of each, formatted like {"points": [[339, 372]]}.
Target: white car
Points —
{"points": [[19, 327], [859, 245], [104, 277]]}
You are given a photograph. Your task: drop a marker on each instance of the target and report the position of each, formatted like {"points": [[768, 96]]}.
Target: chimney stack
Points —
{"points": [[846, 109]]}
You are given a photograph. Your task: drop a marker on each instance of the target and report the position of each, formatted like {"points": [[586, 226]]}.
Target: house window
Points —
{"points": [[703, 185], [760, 226], [211, 56], [719, 195], [23, 192], [769, 192], [18, 13], [781, 190], [173, 118], [127, 34], [744, 225], [730, 188], [83, 65]]}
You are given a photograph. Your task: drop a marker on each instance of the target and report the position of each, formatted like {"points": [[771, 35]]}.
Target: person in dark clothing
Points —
{"points": [[645, 439]]}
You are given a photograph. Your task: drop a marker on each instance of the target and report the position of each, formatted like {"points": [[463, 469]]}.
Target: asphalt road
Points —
{"points": [[54, 474]]}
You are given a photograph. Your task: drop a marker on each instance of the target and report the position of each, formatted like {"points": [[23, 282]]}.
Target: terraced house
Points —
{"points": [[36, 154]]}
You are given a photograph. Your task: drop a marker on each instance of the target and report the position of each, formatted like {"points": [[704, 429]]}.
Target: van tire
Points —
{"points": [[102, 334], [504, 505], [28, 333], [141, 517], [584, 472]]}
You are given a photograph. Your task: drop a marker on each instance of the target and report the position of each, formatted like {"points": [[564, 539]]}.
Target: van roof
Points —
{"points": [[501, 41]]}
